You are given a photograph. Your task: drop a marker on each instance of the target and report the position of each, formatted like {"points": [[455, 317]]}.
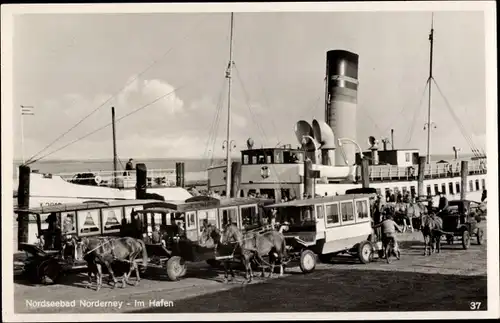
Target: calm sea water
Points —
{"points": [[190, 165]]}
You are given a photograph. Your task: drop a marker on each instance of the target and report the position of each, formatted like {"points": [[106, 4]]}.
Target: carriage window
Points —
{"points": [[88, 222], [361, 210], [269, 159], [245, 159], [436, 189], [483, 182], [202, 216], [457, 187], [471, 187], [477, 185], [68, 222], [228, 216], [191, 220], [249, 217], [254, 159], [450, 188], [443, 188], [347, 211], [212, 217], [320, 214], [332, 214], [429, 192], [277, 158], [112, 219]]}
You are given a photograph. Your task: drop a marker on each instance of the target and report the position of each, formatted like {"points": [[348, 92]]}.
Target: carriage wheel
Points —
{"points": [[365, 252], [48, 272], [307, 261], [480, 234], [465, 239], [176, 268]]}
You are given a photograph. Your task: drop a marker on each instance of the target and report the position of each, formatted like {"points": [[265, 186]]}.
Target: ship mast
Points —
{"points": [[228, 137], [430, 124]]}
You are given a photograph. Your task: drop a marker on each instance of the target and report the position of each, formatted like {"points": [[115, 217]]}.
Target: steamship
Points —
{"points": [[328, 155], [327, 160]]}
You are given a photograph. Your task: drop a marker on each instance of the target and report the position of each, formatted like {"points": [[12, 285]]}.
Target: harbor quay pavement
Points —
{"points": [[450, 280]]}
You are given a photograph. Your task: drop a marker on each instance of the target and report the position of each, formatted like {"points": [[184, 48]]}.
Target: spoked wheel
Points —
{"points": [[465, 239], [365, 252], [176, 268], [307, 261], [48, 272]]}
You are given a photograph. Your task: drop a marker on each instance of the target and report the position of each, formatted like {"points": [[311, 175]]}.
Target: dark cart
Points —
{"points": [[460, 222]]}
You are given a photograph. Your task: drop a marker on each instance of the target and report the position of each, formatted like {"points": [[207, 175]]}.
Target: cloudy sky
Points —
{"points": [[67, 65]]}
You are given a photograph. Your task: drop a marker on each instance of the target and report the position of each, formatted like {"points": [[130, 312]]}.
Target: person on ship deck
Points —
{"points": [[129, 167]]}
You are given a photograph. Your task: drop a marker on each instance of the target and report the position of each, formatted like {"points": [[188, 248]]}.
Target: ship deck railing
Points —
{"points": [[432, 171], [163, 177]]}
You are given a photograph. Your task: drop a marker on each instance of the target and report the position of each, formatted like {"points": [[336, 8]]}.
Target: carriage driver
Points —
{"points": [[389, 228]]}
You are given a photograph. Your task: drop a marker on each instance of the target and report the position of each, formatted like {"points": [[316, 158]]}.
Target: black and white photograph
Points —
{"points": [[249, 161]]}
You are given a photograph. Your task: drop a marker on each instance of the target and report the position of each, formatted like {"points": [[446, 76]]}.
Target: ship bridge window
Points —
{"points": [[407, 157], [457, 187], [443, 188], [450, 188], [429, 192], [483, 181], [477, 185], [245, 159], [269, 193], [412, 190], [471, 187], [254, 159], [277, 158], [436, 189]]}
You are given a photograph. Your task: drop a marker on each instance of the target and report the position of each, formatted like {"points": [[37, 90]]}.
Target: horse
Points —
{"points": [[414, 212], [431, 228], [255, 246], [99, 251]]}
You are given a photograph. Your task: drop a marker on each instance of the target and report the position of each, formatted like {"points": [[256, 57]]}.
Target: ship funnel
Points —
{"points": [[305, 136], [342, 99], [324, 134]]}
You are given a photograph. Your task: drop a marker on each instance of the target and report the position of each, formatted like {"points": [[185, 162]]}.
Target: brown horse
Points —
{"points": [[99, 251], [431, 228], [254, 246]]}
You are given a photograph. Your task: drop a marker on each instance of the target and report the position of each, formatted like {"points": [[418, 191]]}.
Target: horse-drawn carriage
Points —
{"points": [[460, 220], [328, 226], [181, 227], [180, 224], [48, 257]]}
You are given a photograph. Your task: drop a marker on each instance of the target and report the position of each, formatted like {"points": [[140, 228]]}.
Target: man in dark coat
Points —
{"points": [[443, 202], [129, 167]]}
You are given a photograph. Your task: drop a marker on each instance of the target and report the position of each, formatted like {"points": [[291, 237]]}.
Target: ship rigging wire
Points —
{"points": [[461, 127], [108, 124], [214, 127], [186, 36], [409, 134], [247, 100]]}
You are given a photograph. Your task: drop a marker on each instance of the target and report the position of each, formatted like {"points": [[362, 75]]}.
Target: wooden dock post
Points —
{"points": [[179, 175], [464, 171], [365, 173], [421, 176], [23, 202], [141, 182]]}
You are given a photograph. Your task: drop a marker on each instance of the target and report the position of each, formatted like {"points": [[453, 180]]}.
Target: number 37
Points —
{"points": [[474, 305]]}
